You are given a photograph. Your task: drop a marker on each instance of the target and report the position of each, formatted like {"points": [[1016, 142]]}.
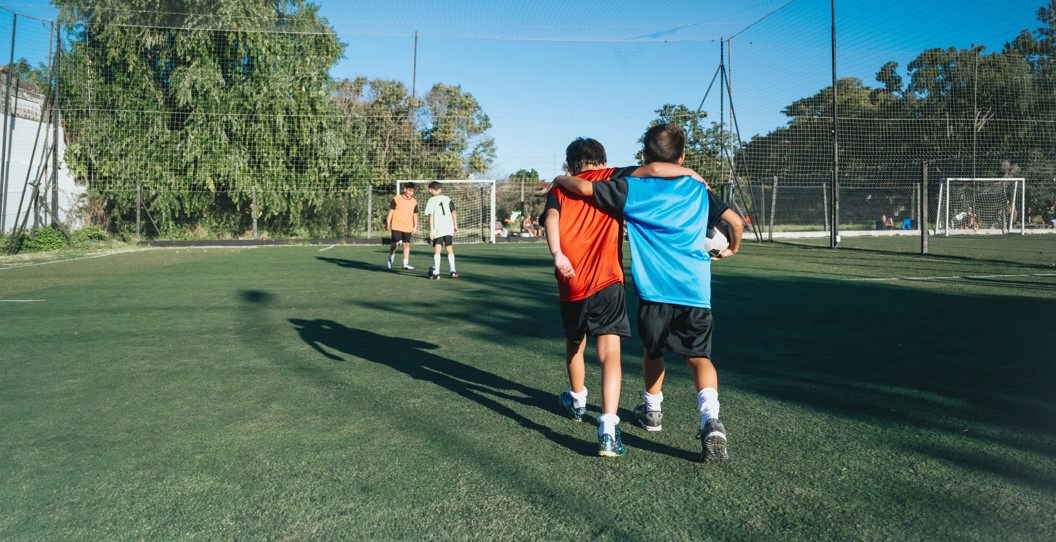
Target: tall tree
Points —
{"points": [[198, 107]]}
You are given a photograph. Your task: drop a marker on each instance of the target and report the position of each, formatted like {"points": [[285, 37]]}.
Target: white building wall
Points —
{"points": [[21, 137]]}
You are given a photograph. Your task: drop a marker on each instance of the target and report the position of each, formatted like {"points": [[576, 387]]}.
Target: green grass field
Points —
{"points": [[306, 393]]}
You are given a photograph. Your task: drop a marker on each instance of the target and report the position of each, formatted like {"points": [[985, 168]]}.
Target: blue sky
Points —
{"points": [[547, 71]]}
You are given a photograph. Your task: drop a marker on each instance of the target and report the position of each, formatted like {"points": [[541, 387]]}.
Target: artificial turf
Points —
{"points": [[307, 393]]}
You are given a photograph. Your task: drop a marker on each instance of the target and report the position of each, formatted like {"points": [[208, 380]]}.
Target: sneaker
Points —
{"points": [[409, 267], [713, 442], [573, 412], [434, 276], [454, 275], [388, 264], [609, 446], [648, 419]]}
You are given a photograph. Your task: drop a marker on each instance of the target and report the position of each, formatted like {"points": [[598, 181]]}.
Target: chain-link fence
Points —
{"points": [[234, 120]]}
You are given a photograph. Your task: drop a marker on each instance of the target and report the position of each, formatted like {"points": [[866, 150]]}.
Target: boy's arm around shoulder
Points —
{"points": [[667, 170], [575, 185]]}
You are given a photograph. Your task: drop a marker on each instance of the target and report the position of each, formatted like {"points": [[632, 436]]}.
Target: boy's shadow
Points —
{"points": [[412, 357], [364, 266]]}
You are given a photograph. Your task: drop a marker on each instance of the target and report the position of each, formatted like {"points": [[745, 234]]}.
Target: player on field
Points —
{"points": [[402, 222], [668, 221], [443, 225], [587, 245]]}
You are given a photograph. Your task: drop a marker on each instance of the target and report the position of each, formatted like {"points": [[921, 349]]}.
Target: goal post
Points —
{"points": [[981, 205], [474, 201]]}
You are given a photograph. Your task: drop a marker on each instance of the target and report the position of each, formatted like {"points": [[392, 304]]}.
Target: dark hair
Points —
{"points": [[584, 152], [435, 185], [406, 186], [664, 143]]}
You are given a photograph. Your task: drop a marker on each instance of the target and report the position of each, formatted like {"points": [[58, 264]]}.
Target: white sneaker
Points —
{"points": [[408, 267], [388, 264]]}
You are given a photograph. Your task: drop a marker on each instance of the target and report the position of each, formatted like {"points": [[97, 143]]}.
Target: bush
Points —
{"points": [[85, 236], [46, 238]]}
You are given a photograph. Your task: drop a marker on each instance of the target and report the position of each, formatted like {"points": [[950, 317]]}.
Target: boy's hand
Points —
{"points": [[725, 253], [563, 266]]}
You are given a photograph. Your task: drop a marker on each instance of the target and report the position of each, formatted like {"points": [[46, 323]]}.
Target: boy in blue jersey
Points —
{"points": [[667, 222]]}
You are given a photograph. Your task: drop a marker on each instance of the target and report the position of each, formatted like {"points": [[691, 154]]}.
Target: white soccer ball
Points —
{"points": [[717, 239]]}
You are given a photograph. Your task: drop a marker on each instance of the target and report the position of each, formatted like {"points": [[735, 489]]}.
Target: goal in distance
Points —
{"points": [[981, 205]]}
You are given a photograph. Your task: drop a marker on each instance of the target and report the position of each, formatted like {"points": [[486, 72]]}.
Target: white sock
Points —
{"points": [[607, 424], [579, 400], [405, 264], [392, 257], [436, 263], [652, 402], [450, 262], [708, 405]]}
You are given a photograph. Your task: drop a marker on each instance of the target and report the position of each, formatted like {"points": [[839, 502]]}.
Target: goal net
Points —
{"points": [[474, 201], [992, 206]]}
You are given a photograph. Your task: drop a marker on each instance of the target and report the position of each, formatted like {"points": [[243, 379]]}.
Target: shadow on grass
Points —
{"points": [[956, 365], [414, 359]]}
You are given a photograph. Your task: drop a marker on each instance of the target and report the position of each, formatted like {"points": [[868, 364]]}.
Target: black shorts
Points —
{"points": [[604, 313], [443, 240], [674, 328], [398, 236]]}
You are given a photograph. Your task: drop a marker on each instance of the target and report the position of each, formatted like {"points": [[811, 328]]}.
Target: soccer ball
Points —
{"points": [[718, 239]]}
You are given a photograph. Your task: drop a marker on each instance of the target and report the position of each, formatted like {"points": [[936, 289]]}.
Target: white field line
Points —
{"points": [[327, 248], [21, 300], [18, 266], [955, 277]]}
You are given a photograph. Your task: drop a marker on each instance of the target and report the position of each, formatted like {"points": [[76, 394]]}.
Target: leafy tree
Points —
{"points": [[704, 144], [199, 107]]}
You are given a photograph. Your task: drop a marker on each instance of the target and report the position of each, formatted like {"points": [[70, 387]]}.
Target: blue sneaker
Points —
{"points": [[573, 412], [609, 446]]}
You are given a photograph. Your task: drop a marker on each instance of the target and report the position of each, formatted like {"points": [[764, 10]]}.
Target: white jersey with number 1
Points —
{"points": [[441, 208]]}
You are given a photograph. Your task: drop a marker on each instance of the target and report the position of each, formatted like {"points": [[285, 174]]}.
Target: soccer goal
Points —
{"points": [[474, 202], [992, 206]]}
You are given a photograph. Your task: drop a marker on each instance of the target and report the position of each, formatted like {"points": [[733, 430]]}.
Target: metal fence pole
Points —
{"points": [[139, 209], [255, 212], [5, 159], [773, 208], [924, 220]]}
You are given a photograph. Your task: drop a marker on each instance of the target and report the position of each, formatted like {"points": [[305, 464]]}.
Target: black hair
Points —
{"points": [[584, 152]]}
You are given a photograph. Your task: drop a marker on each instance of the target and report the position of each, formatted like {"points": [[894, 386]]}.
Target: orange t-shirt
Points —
{"points": [[403, 211], [591, 239]]}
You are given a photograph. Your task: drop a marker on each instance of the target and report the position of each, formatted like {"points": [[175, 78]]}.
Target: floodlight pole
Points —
{"points": [[834, 233]]}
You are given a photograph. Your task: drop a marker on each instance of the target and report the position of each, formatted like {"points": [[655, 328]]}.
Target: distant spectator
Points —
{"points": [[1048, 216], [885, 223], [971, 220], [537, 229], [499, 230], [526, 226]]}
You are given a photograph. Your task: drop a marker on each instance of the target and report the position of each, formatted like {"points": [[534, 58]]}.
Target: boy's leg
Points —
{"points": [[610, 444], [653, 322], [575, 398], [436, 260], [611, 373], [451, 260], [712, 432], [392, 253], [406, 255]]}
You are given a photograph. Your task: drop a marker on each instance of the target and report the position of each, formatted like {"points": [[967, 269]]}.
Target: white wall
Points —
{"points": [[20, 140]]}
